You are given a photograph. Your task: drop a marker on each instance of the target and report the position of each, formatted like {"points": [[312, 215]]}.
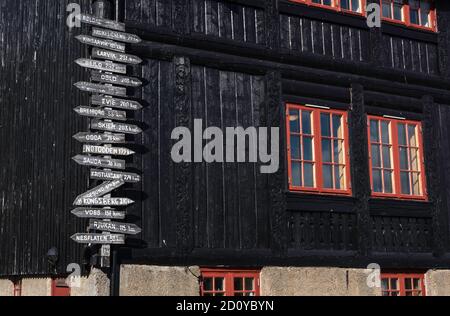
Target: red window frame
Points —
{"points": [[60, 288], [395, 163], [17, 290], [406, 20], [335, 6], [229, 276], [402, 290], [317, 151]]}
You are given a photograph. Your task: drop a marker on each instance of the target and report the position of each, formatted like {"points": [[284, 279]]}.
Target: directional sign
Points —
{"points": [[115, 56], [114, 175], [100, 213], [97, 138], [99, 88], [115, 79], [115, 127], [102, 189], [107, 151], [115, 35], [101, 113], [99, 162], [96, 201], [93, 20], [102, 43], [101, 65], [110, 239], [115, 103], [114, 227]]}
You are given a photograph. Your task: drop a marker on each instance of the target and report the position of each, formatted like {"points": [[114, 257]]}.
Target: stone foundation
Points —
{"points": [[437, 283]]}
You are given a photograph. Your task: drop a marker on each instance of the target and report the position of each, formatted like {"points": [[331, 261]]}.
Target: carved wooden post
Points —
{"points": [[183, 170], [277, 182], [360, 162]]}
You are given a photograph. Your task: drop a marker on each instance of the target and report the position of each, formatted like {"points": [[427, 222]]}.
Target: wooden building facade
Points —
{"points": [[236, 63]]}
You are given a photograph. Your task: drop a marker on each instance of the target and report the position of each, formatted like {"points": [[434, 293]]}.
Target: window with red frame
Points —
{"points": [[402, 284], [17, 287], [317, 141], [396, 158], [352, 6], [414, 13], [229, 282]]}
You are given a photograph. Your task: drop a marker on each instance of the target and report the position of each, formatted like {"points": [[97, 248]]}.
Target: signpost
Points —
{"points": [[109, 79], [99, 239], [96, 201], [102, 189], [102, 43], [101, 65], [115, 35], [105, 150], [115, 79], [107, 175], [93, 20], [115, 103], [99, 162], [115, 56], [99, 88], [114, 227], [115, 127], [99, 213], [101, 113], [98, 138]]}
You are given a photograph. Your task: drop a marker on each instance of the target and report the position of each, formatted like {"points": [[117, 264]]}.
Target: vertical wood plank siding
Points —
{"points": [[38, 180]]}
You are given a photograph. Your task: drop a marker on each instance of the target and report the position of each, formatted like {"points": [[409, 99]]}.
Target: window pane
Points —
{"points": [[385, 132], [207, 284], [394, 284], [384, 284], [387, 12], [327, 2], [386, 157], [296, 174], [398, 12], [325, 124], [338, 149], [249, 284], [404, 181], [219, 284], [374, 132], [238, 284], [387, 181], [327, 176], [345, 4], [412, 136], [415, 178], [337, 126], [425, 13], [326, 150], [355, 6], [403, 158], [339, 177], [402, 134], [309, 175], [417, 284], [294, 121], [414, 157], [408, 284], [414, 16], [376, 160], [377, 186], [306, 122], [295, 147], [307, 148]]}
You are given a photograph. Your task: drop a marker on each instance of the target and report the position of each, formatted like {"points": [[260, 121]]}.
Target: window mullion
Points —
{"points": [[396, 154], [318, 150]]}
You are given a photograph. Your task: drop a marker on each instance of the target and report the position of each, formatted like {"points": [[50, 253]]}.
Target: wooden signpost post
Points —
{"points": [[108, 66]]}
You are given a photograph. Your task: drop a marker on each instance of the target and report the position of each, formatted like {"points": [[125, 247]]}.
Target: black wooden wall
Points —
{"points": [[228, 62]]}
